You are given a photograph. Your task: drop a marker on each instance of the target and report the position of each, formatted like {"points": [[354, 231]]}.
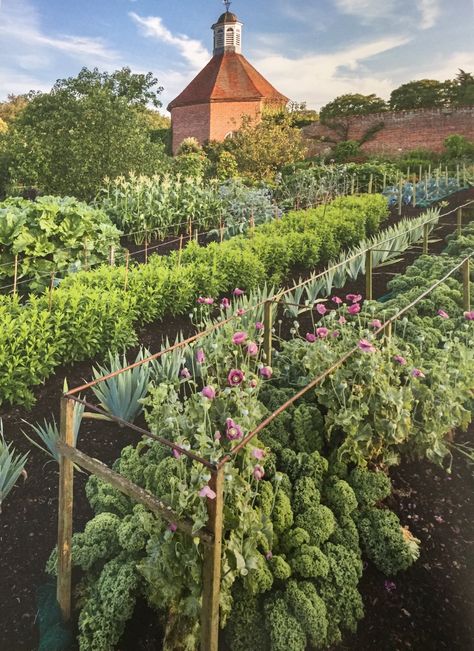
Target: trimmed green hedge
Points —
{"points": [[91, 312]]}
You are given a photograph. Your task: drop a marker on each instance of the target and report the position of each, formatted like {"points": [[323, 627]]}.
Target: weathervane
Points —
{"points": [[227, 4]]}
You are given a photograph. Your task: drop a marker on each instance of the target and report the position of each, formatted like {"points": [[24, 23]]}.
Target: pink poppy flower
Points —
{"points": [[321, 309], [201, 300], [266, 372], [469, 315], [185, 374], [252, 349], [417, 373], [337, 300], [400, 360], [238, 292], [354, 309], [225, 303], [172, 527], [207, 492], [253, 383], [239, 338], [233, 431], [354, 298], [376, 323], [209, 392], [200, 356], [240, 311], [366, 347], [235, 377], [443, 314], [342, 320], [258, 473], [258, 453], [259, 326], [322, 332], [310, 337], [335, 334], [209, 301]]}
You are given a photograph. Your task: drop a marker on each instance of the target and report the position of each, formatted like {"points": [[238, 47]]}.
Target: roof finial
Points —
{"points": [[227, 4]]}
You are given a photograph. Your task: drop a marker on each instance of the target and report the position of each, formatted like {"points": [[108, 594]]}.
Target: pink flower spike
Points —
{"points": [[366, 347], [238, 292], [354, 298], [172, 527], [200, 356], [469, 316], [235, 377], [354, 309], [417, 373], [342, 320], [207, 492], [225, 303], [376, 323], [321, 309], [310, 337], [322, 332], [336, 300], [443, 314], [400, 360], [266, 372], [258, 472], [259, 326], [233, 431], [185, 374], [209, 301], [201, 300], [209, 393], [252, 349], [239, 338], [258, 453]]}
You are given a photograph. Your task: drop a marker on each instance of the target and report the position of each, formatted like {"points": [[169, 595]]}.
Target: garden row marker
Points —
{"points": [[66, 477], [369, 268], [466, 282], [267, 331], [211, 567]]}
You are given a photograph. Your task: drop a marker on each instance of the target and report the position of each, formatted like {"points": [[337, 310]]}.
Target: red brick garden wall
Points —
{"points": [[402, 131]]}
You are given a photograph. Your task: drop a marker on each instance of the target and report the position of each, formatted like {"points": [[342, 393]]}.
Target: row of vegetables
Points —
{"points": [[305, 501]]}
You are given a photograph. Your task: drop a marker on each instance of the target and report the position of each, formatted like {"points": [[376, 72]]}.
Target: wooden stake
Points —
{"points": [[180, 252], [353, 184], [371, 182], [369, 264], [387, 331], [466, 282], [127, 260], [425, 239], [414, 190], [112, 256], [267, 333], [146, 247], [190, 229], [384, 180], [211, 568], [15, 274], [459, 221], [65, 508], [400, 196]]}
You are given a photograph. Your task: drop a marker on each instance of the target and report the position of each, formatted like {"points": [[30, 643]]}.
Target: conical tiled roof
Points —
{"points": [[228, 77]]}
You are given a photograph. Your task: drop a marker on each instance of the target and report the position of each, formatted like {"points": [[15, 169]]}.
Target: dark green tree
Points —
{"points": [[425, 93], [88, 127], [351, 104]]}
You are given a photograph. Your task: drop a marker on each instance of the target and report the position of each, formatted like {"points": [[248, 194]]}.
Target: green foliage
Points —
{"points": [[52, 235], [459, 148], [425, 93], [12, 465], [351, 104], [386, 543], [285, 630], [370, 488], [309, 609], [88, 127], [345, 150]]}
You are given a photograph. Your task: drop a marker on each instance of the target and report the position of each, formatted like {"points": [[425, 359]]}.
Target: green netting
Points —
{"points": [[55, 635]]}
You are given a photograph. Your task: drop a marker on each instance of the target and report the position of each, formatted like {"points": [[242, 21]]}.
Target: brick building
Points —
{"points": [[212, 106]]}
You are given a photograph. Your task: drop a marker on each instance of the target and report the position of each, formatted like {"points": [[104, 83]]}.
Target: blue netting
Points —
{"points": [[54, 634], [427, 192]]}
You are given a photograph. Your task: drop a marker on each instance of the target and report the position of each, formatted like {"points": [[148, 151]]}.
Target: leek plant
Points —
{"points": [[12, 465]]}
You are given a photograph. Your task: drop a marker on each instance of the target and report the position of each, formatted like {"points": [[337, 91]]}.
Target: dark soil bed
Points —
{"points": [[430, 608]]}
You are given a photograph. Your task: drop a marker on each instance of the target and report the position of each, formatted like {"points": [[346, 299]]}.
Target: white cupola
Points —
{"points": [[227, 33]]}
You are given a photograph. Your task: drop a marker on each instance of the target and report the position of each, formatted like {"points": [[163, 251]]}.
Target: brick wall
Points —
{"points": [[190, 121], [402, 131], [227, 116]]}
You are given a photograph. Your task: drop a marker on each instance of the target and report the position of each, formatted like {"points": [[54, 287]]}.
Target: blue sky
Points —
{"points": [[311, 51]]}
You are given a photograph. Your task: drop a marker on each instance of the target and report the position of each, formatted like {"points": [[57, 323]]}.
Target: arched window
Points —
{"points": [[229, 135]]}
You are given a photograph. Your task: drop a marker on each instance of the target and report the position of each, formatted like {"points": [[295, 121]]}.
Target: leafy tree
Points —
{"points": [[10, 109], [426, 93], [88, 127], [3, 126], [458, 147], [351, 104], [463, 89], [301, 115], [261, 149]]}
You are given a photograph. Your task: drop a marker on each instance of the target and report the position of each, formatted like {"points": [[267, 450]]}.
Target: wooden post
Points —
{"points": [[190, 229], [459, 221], [425, 239], [65, 506], [15, 274], [180, 252], [267, 332], [146, 247], [466, 282], [458, 176], [400, 196], [112, 256], [127, 261], [414, 190], [384, 180], [353, 184], [387, 331], [371, 182], [369, 267], [211, 567]]}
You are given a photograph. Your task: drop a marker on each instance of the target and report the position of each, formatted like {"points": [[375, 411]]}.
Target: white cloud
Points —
{"points": [[192, 50], [367, 10], [430, 11], [319, 78]]}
